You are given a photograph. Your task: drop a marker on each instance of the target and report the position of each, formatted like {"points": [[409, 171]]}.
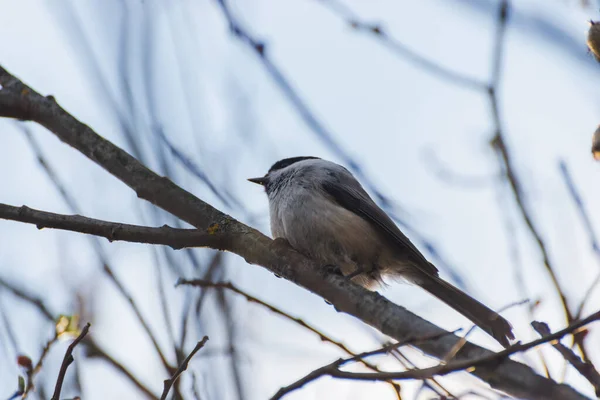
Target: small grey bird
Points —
{"points": [[324, 213]]}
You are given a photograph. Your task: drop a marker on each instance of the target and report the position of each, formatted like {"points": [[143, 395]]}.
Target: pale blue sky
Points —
{"points": [[216, 103]]}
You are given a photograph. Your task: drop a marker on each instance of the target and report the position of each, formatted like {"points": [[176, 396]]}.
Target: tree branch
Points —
{"points": [[427, 373], [103, 259], [30, 298], [67, 361], [20, 101], [507, 164], [378, 32], [114, 231], [323, 133], [585, 368], [94, 350], [228, 285], [169, 382], [326, 370]]}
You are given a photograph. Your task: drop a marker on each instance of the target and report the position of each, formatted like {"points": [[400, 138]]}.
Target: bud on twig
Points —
{"points": [[24, 362], [593, 39], [596, 144]]}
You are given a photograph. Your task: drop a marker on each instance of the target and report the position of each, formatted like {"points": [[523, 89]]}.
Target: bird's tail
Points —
{"points": [[488, 320]]}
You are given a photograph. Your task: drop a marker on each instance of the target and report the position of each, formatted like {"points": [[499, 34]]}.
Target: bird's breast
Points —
{"points": [[327, 232]]}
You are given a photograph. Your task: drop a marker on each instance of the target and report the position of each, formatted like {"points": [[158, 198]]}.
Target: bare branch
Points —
{"points": [[28, 297], [589, 230], [103, 258], [426, 373], [67, 361], [19, 101], [432, 384], [169, 382], [378, 32], [507, 163], [328, 138], [94, 350], [38, 366], [228, 285], [585, 368], [113, 231], [467, 364], [336, 364]]}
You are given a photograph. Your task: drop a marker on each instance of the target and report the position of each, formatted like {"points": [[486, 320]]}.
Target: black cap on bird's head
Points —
{"points": [[281, 164]]}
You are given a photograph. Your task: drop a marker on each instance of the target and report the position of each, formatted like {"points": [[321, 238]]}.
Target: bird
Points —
{"points": [[324, 213]]}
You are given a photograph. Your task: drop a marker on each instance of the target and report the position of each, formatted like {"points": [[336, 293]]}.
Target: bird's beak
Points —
{"points": [[259, 181]]}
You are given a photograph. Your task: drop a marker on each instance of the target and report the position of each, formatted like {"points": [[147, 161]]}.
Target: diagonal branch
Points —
{"points": [[169, 382], [93, 349], [445, 369], [228, 285], [67, 361], [420, 61], [333, 369], [326, 370], [585, 368], [21, 102], [507, 164], [102, 257], [29, 298], [328, 137]]}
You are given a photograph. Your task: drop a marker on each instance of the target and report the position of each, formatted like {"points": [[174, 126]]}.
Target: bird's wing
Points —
{"points": [[354, 198]]}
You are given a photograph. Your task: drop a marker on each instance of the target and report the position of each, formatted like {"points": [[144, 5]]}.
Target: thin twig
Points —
{"points": [[342, 361], [28, 297], [463, 340], [38, 366], [432, 384], [322, 132], [93, 348], [169, 382], [585, 368], [113, 231], [67, 361], [94, 351], [505, 158], [519, 280], [378, 32], [225, 312], [11, 339], [426, 373], [468, 364], [103, 258], [587, 295], [195, 389], [228, 285], [589, 229], [444, 173], [19, 101]]}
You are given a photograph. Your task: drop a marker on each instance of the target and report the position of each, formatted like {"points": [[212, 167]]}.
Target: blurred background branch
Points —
{"points": [[208, 93]]}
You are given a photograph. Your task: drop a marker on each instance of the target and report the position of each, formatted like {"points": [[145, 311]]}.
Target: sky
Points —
{"points": [[418, 138]]}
